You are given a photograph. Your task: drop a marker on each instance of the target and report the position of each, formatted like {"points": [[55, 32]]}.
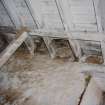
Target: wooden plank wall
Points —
{"points": [[101, 7], [47, 14], [56, 15], [69, 15], [20, 13], [5, 20], [24, 14], [77, 15], [80, 15]]}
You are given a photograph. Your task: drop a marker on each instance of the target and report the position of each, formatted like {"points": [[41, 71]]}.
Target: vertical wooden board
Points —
{"points": [[12, 12], [20, 13], [51, 14], [48, 14], [4, 17], [24, 14], [101, 8], [80, 15], [98, 15]]}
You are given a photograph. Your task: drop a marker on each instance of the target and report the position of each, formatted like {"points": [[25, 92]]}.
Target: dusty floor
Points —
{"points": [[40, 81]]}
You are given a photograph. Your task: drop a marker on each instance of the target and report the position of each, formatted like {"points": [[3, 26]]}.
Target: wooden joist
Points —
{"points": [[13, 46], [92, 36]]}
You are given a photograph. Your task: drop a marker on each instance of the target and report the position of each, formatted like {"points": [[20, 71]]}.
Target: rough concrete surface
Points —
{"points": [[40, 81]]}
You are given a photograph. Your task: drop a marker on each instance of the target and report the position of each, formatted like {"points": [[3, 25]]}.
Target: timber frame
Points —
{"points": [[73, 37], [96, 71]]}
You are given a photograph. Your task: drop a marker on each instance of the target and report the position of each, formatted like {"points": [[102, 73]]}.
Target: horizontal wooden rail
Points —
{"points": [[92, 36], [94, 70]]}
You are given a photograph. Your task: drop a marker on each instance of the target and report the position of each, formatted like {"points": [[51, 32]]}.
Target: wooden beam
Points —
{"points": [[13, 46], [92, 36], [94, 70]]}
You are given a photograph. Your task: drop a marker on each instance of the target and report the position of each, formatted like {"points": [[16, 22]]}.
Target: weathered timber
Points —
{"points": [[93, 94], [74, 38], [50, 46], [94, 70], [91, 36], [30, 45], [101, 10], [13, 46], [74, 44]]}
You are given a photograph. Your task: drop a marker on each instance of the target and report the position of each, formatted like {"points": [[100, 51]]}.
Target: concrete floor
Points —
{"points": [[40, 81]]}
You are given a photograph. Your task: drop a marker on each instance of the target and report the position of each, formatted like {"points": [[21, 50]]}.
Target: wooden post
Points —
{"points": [[103, 50], [30, 45], [50, 46]]}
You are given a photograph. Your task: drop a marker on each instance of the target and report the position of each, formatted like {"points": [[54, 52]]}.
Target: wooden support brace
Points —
{"points": [[47, 36], [50, 46], [13, 46], [76, 50], [30, 45]]}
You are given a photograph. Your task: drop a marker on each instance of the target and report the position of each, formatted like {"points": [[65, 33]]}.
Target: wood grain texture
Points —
{"points": [[72, 15], [7, 53], [48, 15], [4, 17], [101, 8], [20, 13], [80, 15]]}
